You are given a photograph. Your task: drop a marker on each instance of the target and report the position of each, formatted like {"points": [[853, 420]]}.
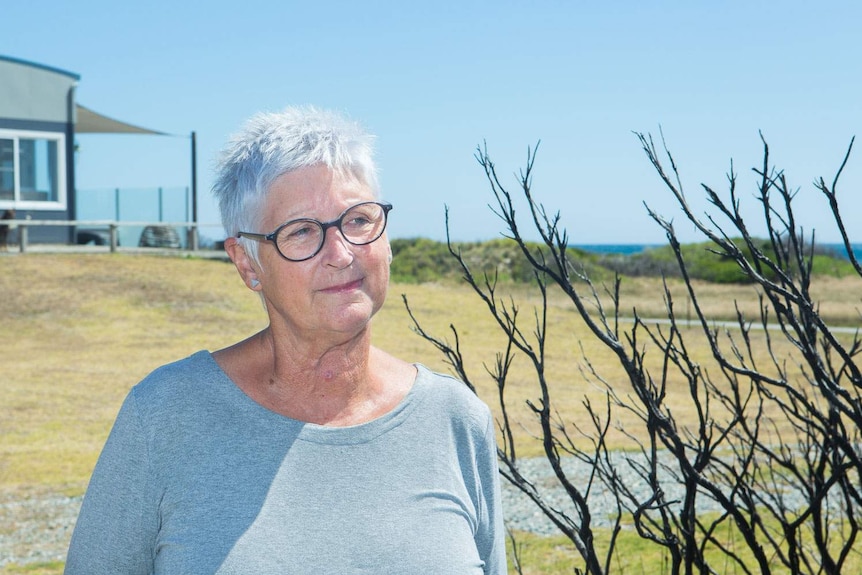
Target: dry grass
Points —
{"points": [[80, 330], [572, 348]]}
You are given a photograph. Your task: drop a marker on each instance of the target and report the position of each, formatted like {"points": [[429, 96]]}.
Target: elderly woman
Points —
{"points": [[302, 449]]}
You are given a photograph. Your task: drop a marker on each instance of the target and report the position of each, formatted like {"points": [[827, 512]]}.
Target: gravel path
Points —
{"points": [[36, 528]]}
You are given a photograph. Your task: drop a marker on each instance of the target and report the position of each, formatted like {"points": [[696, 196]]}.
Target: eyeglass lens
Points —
{"points": [[302, 239]]}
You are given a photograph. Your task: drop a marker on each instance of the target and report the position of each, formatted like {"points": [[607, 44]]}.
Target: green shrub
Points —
{"points": [[420, 260]]}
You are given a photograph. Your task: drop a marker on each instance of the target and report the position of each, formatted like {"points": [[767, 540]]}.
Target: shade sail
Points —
{"points": [[90, 122]]}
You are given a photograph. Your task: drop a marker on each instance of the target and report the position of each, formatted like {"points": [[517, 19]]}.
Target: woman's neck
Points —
{"points": [[345, 384], [320, 383]]}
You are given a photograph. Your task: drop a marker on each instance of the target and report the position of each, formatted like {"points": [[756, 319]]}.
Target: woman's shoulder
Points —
{"points": [[180, 369], [443, 382], [181, 380], [452, 395]]}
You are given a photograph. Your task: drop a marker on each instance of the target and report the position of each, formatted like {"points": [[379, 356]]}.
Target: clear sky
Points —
{"points": [[435, 79]]}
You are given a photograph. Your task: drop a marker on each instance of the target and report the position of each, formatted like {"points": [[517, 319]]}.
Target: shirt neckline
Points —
{"points": [[324, 434]]}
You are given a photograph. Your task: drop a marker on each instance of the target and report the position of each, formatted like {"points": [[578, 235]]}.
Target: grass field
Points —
{"points": [[78, 330]]}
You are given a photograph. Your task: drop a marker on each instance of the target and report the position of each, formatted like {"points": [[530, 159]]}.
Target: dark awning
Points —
{"points": [[90, 122]]}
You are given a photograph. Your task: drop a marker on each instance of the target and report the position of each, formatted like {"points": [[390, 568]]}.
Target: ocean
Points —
{"points": [[629, 249], [623, 249]]}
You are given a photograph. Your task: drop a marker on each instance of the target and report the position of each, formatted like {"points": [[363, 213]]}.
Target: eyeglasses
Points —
{"points": [[302, 239]]}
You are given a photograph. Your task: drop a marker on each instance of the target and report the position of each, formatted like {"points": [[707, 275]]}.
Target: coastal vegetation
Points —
{"points": [[422, 260]]}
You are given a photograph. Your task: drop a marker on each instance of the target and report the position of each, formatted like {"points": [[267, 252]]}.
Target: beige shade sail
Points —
{"points": [[90, 122]]}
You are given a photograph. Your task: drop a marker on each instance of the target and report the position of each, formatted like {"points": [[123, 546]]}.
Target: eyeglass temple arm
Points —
{"points": [[251, 236]]}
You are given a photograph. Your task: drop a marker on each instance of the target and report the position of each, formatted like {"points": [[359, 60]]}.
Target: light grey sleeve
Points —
{"points": [[116, 528], [490, 536]]}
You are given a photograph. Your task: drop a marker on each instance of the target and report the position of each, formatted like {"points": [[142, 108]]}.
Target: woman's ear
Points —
{"points": [[244, 264]]}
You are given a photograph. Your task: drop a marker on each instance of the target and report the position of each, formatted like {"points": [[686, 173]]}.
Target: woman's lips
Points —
{"points": [[345, 287]]}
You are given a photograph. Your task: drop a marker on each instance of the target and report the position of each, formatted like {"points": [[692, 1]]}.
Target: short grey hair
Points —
{"points": [[273, 143]]}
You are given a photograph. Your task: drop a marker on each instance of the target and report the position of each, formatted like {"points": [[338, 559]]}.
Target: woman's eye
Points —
{"points": [[357, 221], [300, 232]]}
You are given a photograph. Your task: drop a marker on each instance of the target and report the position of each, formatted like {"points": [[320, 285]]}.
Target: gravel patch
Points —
{"points": [[36, 528], [522, 514]]}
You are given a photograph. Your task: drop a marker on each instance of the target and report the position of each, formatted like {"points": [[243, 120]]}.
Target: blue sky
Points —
{"points": [[435, 79]]}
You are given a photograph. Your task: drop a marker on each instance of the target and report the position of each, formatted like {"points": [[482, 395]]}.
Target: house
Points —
{"points": [[38, 121]]}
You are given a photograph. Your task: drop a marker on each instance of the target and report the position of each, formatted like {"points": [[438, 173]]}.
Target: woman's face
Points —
{"points": [[339, 289]]}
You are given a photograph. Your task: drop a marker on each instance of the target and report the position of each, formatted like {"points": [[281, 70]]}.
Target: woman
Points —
{"points": [[302, 449]]}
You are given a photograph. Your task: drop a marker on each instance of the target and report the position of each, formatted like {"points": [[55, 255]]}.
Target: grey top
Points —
{"points": [[196, 477]]}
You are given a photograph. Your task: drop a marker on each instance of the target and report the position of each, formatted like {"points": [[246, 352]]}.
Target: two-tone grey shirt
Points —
{"points": [[198, 478]]}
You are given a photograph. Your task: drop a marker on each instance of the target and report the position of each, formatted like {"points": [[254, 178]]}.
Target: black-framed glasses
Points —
{"points": [[302, 239]]}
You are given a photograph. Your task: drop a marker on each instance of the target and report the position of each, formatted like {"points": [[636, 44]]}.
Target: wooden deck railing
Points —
{"points": [[112, 227]]}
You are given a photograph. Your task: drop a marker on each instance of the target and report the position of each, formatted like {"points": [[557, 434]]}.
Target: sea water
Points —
{"points": [[629, 249], [623, 249]]}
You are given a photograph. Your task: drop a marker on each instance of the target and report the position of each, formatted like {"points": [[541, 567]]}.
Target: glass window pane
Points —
{"points": [[7, 169], [38, 165]]}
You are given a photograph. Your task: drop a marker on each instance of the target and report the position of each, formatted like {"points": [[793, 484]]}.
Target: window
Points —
{"points": [[32, 170], [7, 169]]}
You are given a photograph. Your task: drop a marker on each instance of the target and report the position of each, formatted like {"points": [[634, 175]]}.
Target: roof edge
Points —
{"points": [[72, 75]]}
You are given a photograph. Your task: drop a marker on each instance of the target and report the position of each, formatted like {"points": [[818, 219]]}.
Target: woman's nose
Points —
{"points": [[336, 250]]}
